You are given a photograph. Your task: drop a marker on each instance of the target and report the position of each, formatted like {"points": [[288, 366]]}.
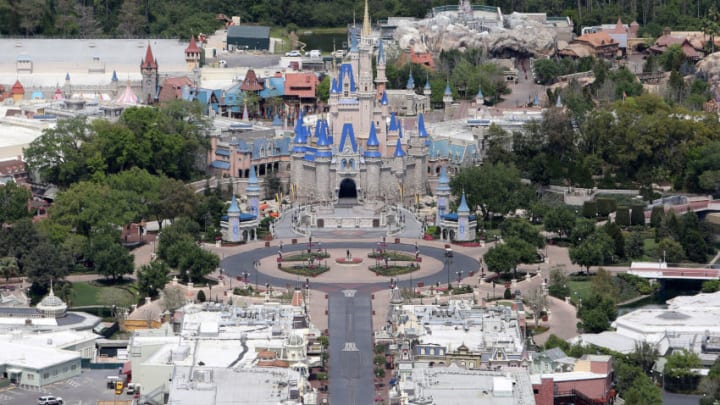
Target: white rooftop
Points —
{"points": [[20, 354], [57, 339]]}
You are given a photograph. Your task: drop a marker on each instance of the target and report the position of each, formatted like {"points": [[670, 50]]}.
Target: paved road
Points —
{"points": [[351, 348]]}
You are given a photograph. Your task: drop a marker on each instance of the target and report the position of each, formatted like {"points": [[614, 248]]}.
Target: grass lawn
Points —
{"points": [[579, 289], [649, 247], [90, 293]]}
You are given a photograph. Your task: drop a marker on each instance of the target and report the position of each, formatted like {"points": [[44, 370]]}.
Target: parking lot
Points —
{"points": [[85, 389]]}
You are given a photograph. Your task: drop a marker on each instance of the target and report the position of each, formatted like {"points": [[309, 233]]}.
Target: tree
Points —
{"points": [[644, 355], [546, 71], [113, 261], [500, 258], [46, 262], [710, 26], [130, 23], [494, 188], [559, 219], [594, 251], [13, 202], [558, 283], [196, 263], [57, 154], [152, 278], [634, 245], [583, 228], [596, 312], [643, 392], [9, 267], [536, 301], [173, 298], [522, 229], [201, 296], [670, 251]]}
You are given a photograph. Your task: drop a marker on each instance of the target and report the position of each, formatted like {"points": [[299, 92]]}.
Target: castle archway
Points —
{"points": [[348, 189]]}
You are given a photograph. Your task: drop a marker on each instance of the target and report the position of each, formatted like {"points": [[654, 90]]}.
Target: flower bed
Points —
{"points": [[467, 244], [354, 260], [393, 256], [305, 256], [305, 270], [394, 269]]}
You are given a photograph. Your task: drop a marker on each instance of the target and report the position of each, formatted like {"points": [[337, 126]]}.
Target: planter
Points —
{"points": [[267, 243], [545, 318]]}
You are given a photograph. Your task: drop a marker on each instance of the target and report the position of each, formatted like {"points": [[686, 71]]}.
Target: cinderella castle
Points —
{"points": [[359, 149]]}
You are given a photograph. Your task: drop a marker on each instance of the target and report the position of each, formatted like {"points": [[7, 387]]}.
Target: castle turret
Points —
{"points": [[427, 91], [150, 77], [464, 232], [399, 168], [192, 55], [479, 98], [373, 162], [418, 152], [323, 156], [558, 102], [442, 191], [253, 192], [380, 78], [447, 100], [66, 87], [233, 231]]}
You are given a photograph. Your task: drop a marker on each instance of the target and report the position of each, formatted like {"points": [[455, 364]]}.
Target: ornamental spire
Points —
{"points": [[366, 29]]}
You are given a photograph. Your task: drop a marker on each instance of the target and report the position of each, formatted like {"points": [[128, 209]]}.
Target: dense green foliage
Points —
{"points": [[135, 17], [161, 140], [13, 202]]}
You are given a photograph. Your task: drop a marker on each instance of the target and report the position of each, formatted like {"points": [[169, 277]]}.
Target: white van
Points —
{"points": [[315, 53]]}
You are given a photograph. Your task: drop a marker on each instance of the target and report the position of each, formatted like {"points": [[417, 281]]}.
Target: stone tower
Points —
{"points": [[296, 158], [373, 162], [323, 156], [399, 170], [418, 151], [443, 194], [380, 79], [447, 100], [150, 77], [192, 55]]}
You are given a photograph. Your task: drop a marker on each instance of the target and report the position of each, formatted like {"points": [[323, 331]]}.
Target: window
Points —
{"points": [[31, 377], [46, 376], [73, 367]]}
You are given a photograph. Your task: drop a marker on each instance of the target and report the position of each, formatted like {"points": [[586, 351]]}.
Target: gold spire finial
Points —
{"points": [[366, 30]]}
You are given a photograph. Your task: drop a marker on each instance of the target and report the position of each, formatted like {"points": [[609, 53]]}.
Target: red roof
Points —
{"points": [[192, 48], [17, 88], [171, 88], [149, 62], [300, 84]]}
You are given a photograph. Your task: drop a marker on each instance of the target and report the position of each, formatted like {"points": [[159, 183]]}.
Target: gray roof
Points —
{"points": [[248, 31]]}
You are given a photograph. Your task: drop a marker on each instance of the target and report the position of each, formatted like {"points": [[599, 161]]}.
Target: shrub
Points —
{"points": [[590, 209], [622, 216], [637, 215], [508, 294], [657, 215], [605, 206]]}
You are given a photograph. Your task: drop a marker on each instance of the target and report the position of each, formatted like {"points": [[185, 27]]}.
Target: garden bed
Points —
{"points": [[304, 256], [394, 270], [393, 255], [354, 260], [305, 270]]}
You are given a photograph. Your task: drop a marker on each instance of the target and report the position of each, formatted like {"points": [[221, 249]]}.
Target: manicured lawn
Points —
{"points": [[582, 288], [649, 247], [85, 293]]}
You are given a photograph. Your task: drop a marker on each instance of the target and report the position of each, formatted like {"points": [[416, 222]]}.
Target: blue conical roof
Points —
{"points": [[384, 98], [480, 95], [114, 76], [334, 86], [393, 122], [558, 102], [536, 102], [372, 138], [399, 152], [448, 92], [410, 82], [234, 209], [427, 81], [299, 122], [67, 77], [381, 53], [463, 204], [252, 181], [422, 132], [321, 131]]}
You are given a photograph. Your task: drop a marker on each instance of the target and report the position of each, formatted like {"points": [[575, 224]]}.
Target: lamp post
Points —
{"points": [[448, 262], [459, 277], [256, 266]]}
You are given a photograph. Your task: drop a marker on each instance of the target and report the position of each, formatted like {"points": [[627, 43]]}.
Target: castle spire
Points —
{"points": [[366, 29]]}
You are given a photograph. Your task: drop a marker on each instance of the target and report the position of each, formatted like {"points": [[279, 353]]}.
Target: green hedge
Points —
{"points": [[605, 206], [622, 216], [637, 215], [589, 209]]}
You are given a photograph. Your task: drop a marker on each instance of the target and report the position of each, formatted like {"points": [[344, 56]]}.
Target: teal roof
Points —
{"points": [[463, 204], [274, 87], [448, 92], [234, 209], [427, 81], [114, 76], [410, 82], [480, 94]]}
